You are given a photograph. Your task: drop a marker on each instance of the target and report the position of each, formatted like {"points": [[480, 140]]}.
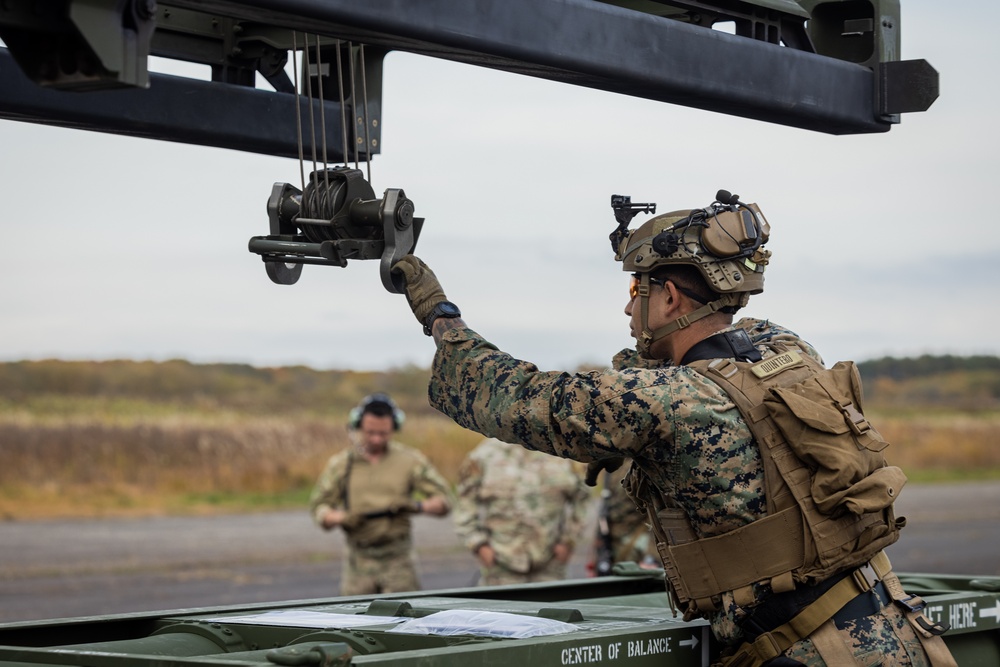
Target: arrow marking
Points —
{"points": [[986, 612]]}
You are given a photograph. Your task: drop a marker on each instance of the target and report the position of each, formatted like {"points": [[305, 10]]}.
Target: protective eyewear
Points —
{"points": [[636, 280]]}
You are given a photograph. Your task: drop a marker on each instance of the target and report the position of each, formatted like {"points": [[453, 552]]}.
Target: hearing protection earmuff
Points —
{"points": [[398, 416]]}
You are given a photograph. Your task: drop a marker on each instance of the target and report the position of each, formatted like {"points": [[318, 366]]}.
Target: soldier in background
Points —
{"points": [[519, 511], [370, 490], [622, 533]]}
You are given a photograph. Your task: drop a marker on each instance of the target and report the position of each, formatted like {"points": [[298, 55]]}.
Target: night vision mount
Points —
{"points": [[625, 210], [335, 219]]}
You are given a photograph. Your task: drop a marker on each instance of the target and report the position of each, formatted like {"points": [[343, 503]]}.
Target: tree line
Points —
{"points": [[239, 387]]}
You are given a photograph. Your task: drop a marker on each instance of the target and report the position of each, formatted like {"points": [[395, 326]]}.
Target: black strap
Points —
{"points": [[734, 344], [865, 604], [779, 608]]}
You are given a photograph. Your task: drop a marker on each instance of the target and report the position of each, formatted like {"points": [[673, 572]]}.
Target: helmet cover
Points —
{"points": [[724, 242]]}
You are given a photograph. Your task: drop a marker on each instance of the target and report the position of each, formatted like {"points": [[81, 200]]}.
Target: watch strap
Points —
{"points": [[442, 309]]}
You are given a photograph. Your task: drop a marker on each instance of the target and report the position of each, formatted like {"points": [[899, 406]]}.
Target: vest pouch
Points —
{"points": [[873, 493], [821, 420]]}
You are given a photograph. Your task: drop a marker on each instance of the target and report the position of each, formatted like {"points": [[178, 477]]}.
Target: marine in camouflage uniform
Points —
{"points": [[370, 490], [519, 511], [684, 433], [675, 423]]}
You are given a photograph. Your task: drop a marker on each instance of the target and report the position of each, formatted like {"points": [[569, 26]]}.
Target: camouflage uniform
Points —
{"points": [[380, 556], [630, 536], [677, 425], [522, 503]]}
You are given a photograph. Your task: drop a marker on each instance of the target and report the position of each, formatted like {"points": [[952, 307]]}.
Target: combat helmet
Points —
{"points": [[723, 241]]}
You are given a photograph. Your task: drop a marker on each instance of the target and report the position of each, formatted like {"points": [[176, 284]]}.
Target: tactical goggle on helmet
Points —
{"points": [[724, 241]]}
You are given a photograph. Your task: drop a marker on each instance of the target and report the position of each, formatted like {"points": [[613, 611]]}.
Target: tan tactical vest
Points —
{"points": [[829, 491]]}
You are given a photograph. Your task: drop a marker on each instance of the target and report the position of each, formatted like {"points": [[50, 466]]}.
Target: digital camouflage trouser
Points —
{"points": [[885, 639]]}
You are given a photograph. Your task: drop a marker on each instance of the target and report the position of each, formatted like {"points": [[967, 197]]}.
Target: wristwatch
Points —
{"points": [[443, 309]]}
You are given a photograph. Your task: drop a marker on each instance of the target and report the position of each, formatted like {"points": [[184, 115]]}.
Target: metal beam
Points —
{"points": [[600, 46], [582, 42], [176, 109]]}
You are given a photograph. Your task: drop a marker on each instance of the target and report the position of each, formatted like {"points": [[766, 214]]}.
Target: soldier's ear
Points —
{"points": [[671, 294]]}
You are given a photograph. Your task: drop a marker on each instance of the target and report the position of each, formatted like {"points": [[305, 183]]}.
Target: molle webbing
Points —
{"points": [[795, 542], [765, 550], [832, 541], [747, 391]]}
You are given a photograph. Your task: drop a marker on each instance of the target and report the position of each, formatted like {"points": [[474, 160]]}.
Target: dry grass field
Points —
{"points": [[943, 445], [126, 438], [104, 465], [182, 463]]}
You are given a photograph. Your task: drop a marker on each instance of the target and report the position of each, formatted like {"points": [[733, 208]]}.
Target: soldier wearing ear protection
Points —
{"points": [[762, 481], [378, 404], [370, 490], [721, 247]]}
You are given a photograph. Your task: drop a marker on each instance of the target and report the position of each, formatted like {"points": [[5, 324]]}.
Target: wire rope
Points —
{"points": [[364, 93], [354, 98], [343, 109], [309, 97], [318, 202], [298, 111], [322, 117]]}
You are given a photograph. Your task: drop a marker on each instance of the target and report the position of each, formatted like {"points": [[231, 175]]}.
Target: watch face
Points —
{"points": [[448, 309]]}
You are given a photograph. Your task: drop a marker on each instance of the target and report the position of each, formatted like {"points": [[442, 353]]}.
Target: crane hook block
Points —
{"points": [[335, 219]]}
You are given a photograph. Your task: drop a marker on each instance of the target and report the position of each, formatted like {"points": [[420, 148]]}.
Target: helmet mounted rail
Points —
{"points": [[625, 210]]}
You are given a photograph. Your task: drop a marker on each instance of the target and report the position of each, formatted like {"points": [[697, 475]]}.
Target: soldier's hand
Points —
{"points": [[562, 552], [435, 506], [333, 518], [423, 291], [486, 555], [595, 468]]}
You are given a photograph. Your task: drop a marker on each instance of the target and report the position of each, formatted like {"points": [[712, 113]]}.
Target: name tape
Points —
{"points": [[776, 364]]}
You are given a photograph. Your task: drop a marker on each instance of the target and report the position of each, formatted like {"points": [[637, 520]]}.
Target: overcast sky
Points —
{"points": [[884, 244]]}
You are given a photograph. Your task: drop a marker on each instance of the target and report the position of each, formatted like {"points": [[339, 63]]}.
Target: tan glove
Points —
{"points": [[423, 291]]}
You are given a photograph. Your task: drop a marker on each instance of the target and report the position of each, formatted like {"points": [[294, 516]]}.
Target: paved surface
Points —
{"points": [[58, 569]]}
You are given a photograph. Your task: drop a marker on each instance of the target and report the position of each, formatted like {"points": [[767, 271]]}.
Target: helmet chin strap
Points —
{"points": [[646, 339]]}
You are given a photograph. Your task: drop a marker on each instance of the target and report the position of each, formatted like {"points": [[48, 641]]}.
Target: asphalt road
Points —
{"points": [[59, 569]]}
